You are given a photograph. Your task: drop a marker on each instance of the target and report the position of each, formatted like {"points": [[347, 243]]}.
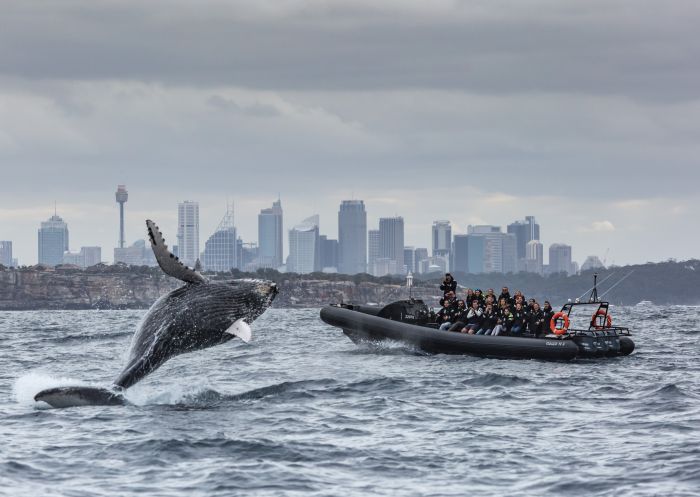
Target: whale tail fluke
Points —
{"points": [[80, 396]]}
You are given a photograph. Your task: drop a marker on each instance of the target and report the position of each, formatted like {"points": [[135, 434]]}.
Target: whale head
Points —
{"points": [[245, 299]]}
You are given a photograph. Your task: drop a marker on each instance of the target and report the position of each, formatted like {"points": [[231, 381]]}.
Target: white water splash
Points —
{"points": [[30, 384], [144, 394]]}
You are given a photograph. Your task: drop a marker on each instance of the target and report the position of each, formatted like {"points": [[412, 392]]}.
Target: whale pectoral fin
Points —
{"points": [[80, 396], [241, 329], [167, 261]]}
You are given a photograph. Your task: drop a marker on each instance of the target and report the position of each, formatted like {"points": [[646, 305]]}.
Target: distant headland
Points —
{"points": [[135, 287]]}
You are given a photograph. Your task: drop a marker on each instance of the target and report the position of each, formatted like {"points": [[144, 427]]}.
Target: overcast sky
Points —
{"points": [[584, 114]]}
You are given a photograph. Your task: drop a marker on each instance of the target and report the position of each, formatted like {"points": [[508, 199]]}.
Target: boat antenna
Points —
{"points": [[603, 281], [620, 281], [594, 292]]}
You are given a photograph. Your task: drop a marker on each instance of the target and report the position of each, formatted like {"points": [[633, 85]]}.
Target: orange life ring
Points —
{"points": [[594, 319], [553, 323]]}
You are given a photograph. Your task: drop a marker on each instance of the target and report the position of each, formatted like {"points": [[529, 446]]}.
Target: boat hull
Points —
{"points": [[359, 326]]}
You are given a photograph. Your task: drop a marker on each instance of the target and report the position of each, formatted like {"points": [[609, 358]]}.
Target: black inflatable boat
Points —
{"points": [[583, 330]]}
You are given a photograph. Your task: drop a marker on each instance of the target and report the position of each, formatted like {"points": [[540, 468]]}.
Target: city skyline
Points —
{"points": [[330, 231], [139, 254]]}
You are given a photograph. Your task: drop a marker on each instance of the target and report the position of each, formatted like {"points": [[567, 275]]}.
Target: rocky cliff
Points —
{"points": [[112, 287]]}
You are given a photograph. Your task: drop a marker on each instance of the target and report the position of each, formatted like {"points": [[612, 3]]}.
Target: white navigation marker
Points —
{"points": [[241, 329]]}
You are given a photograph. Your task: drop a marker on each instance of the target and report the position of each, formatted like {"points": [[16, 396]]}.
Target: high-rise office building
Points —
{"points": [[391, 240], [420, 254], [138, 254], [248, 258], [524, 232], [409, 259], [460, 254], [383, 266], [329, 253], [6, 253], [490, 251], [304, 247], [442, 238], [188, 232], [220, 249], [53, 241], [352, 237], [560, 259], [122, 196], [534, 257], [91, 255], [270, 236], [87, 257], [373, 250]]}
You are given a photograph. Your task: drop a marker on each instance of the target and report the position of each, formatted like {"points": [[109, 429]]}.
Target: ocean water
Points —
{"points": [[303, 411]]}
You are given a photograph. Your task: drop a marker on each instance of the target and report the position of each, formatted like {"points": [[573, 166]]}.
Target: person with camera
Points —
{"points": [[448, 284]]}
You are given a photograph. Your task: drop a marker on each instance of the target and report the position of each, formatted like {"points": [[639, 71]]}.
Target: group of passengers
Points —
{"points": [[488, 314]]}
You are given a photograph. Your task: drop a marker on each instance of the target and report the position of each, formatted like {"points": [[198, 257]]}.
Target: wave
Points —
{"points": [[87, 338], [495, 379], [205, 396], [386, 347]]}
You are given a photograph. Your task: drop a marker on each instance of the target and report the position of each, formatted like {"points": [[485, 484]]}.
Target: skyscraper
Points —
{"points": [[188, 232], [122, 196], [409, 259], [534, 252], [53, 241], [560, 258], [442, 238], [490, 251], [304, 247], [87, 257], [329, 253], [352, 237], [421, 255], [460, 254], [373, 247], [138, 254], [524, 232], [6, 253], [220, 249], [270, 241], [391, 240]]}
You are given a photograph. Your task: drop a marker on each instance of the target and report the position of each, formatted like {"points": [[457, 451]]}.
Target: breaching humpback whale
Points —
{"points": [[198, 315]]}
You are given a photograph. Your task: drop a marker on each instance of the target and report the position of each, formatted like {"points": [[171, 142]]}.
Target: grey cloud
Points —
{"points": [[649, 51], [256, 109]]}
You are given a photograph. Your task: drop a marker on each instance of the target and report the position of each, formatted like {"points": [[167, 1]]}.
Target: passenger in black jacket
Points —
{"points": [[479, 295], [519, 319], [448, 284], [489, 319], [535, 322], [446, 316], [505, 294], [548, 315], [474, 315], [460, 317]]}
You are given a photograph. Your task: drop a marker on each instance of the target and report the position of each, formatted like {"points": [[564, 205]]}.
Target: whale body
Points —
{"points": [[196, 316]]}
